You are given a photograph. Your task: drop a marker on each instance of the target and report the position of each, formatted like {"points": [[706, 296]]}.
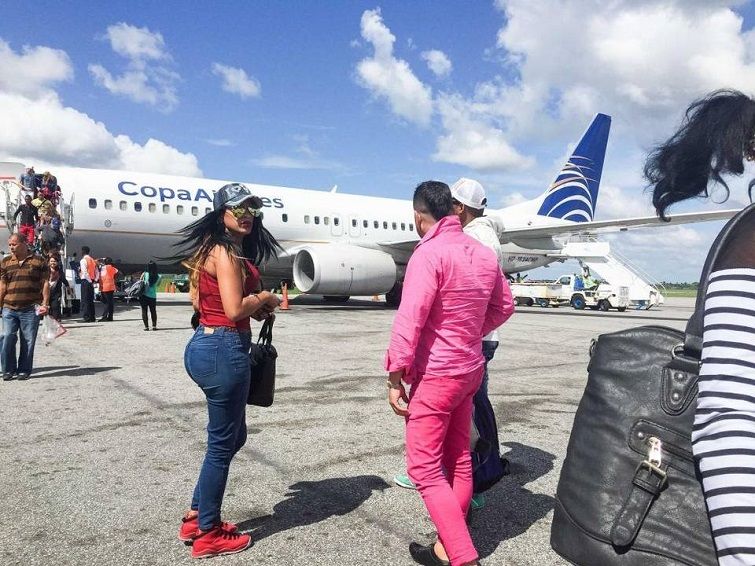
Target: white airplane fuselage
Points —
{"points": [[134, 217]]}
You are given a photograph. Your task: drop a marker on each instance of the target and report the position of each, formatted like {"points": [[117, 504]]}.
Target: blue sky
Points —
{"points": [[373, 97]]}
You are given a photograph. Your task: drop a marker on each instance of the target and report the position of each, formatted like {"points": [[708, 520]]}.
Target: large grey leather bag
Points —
{"points": [[629, 492]]}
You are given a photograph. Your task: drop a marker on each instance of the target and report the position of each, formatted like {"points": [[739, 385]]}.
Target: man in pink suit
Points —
{"points": [[454, 294]]}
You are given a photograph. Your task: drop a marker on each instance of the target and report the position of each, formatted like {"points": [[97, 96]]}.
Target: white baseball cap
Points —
{"points": [[470, 193]]}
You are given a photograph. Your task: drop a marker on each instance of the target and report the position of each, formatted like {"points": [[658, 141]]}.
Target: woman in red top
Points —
{"points": [[222, 251]]}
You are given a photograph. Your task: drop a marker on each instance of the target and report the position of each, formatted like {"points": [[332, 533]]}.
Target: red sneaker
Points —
{"points": [[219, 541], [190, 529]]}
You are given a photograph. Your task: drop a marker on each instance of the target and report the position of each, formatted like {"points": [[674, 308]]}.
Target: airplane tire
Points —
{"points": [[393, 297], [578, 302], [604, 305], [336, 298]]}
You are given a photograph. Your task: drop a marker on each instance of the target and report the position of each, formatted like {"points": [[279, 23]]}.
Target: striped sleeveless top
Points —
{"points": [[723, 437]]}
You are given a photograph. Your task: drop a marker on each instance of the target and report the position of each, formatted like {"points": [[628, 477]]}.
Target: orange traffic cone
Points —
{"points": [[284, 302]]}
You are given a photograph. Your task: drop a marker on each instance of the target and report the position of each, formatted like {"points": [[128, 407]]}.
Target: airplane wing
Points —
{"points": [[621, 225]]}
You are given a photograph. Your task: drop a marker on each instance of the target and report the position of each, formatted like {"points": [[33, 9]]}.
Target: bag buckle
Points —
{"points": [[654, 460]]}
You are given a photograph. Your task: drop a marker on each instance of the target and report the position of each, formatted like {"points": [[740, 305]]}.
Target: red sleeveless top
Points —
{"points": [[211, 311]]}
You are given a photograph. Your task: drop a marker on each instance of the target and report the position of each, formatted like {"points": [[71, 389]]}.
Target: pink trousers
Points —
{"points": [[437, 439]]}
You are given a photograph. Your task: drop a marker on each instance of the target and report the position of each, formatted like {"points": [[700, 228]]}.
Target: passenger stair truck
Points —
{"points": [[644, 291], [10, 199]]}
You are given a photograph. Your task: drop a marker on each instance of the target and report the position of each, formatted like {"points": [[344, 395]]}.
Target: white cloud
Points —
{"points": [[148, 77], [438, 62], [236, 81], [222, 142], [471, 140], [510, 199], [74, 139], [294, 162], [77, 140], [136, 43], [389, 78], [34, 71], [619, 57]]}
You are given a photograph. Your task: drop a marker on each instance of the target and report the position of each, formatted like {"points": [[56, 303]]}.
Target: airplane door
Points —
{"points": [[354, 228], [336, 228]]}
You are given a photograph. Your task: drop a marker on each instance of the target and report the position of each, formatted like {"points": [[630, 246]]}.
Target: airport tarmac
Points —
{"points": [[100, 450]]}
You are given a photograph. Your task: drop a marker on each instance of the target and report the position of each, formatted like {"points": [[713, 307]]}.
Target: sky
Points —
{"points": [[376, 97]]}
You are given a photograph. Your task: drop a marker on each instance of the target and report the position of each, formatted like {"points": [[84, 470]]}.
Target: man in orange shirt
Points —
{"points": [[108, 273]]}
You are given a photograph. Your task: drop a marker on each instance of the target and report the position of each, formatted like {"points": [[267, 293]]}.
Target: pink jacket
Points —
{"points": [[454, 294]]}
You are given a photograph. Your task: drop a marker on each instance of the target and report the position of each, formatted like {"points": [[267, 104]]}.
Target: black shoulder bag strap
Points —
{"points": [[265, 337], [693, 336]]}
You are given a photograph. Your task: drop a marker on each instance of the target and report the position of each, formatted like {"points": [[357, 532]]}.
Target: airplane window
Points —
{"points": [[403, 226], [179, 209], [385, 225], [123, 205], [306, 219], [326, 220], [354, 222], [194, 211], [92, 203], [138, 206], [166, 208], [376, 224], [284, 217], [411, 227], [207, 211], [108, 204], [365, 223], [317, 219], [336, 221], [152, 207], [393, 225]]}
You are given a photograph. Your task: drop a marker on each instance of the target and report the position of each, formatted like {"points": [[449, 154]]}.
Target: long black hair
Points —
{"points": [[152, 271], [201, 236], [717, 134]]}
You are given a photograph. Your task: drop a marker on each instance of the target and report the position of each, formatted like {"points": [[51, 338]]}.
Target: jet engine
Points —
{"points": [[343, 270]]}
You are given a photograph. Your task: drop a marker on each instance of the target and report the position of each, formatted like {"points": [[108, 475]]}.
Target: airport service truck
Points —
{"points": [[562, 292]]}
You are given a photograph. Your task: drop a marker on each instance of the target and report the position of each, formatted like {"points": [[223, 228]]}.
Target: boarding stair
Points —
{"points": [[616, 269]]}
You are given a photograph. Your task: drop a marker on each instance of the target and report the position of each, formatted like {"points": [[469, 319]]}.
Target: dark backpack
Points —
{"points": [[487, 465]]}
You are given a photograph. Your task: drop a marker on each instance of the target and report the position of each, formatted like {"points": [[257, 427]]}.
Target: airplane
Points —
{"points": [[336, 244]]}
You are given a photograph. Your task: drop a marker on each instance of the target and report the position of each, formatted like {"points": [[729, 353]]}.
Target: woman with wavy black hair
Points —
{"points": [[222, 251], [717, 136]]}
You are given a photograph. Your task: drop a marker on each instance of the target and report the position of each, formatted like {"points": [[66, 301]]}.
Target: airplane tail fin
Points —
{"points": [[573, 195]]}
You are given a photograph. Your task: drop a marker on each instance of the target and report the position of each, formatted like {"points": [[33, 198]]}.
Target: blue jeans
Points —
{"points": [[488, 351], [219, 364], [27, 321]]}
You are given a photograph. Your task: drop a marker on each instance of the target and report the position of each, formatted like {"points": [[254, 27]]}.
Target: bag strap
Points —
{"points": [[266, 333], [693, 335]]}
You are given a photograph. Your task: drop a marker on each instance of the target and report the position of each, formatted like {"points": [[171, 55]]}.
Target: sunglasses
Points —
{"points": [[245, 210]]}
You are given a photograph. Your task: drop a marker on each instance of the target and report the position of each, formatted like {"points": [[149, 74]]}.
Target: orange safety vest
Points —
{"points": [[91, 268], [107, 278]]}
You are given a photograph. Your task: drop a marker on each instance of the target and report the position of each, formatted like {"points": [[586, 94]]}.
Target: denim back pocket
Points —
{"points": [[201, 358]]}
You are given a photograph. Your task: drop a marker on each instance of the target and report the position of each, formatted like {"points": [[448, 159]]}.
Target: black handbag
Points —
{"points": [[629, 491], [262, 356]]}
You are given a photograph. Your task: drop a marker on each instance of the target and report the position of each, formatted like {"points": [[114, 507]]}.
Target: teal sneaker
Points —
{"points": [[478, 502], [402, 480]]}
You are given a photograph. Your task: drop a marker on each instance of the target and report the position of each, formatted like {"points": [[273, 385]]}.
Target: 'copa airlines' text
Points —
{"points": [[166, 193]]}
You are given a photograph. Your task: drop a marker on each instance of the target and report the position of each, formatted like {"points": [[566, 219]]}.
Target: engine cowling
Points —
{"points": [[342, 270]]}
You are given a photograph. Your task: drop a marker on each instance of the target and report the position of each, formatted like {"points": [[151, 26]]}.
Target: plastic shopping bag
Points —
{"points": [[51, 329]]}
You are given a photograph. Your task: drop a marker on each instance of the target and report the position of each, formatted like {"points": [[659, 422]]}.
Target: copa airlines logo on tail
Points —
{"points": [[574, 194]]}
